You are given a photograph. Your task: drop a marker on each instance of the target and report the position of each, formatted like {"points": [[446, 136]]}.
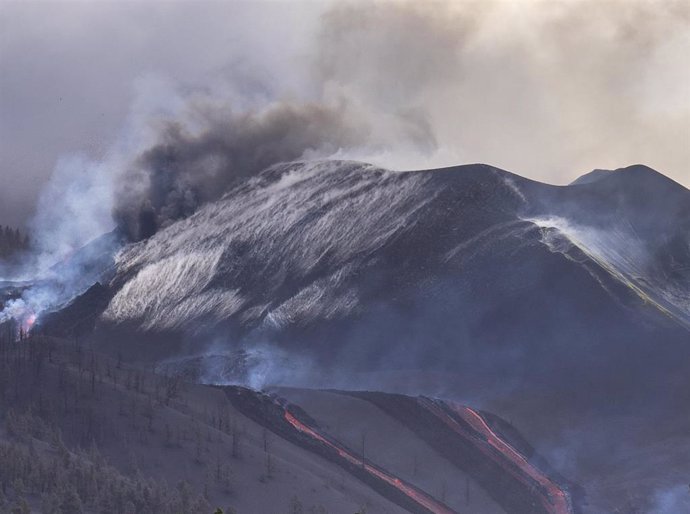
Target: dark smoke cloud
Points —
{"points": [[71, 73], [187, 168]]}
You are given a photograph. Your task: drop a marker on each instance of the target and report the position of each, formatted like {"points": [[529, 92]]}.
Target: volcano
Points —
{"points": [[538, 302], [440, 264]]}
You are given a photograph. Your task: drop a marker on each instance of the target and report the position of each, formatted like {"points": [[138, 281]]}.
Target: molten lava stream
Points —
{"points": [[29, 322], [556, 500], [416, 495], [557, 497]]}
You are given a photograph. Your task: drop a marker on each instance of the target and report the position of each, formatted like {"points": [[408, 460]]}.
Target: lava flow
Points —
{"points": [[416, 495], [25, 319], [554, 499], [28, 322]]}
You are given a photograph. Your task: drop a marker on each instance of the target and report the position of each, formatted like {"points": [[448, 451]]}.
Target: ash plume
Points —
{"points": [[596, 87], [186, 168], [546, 89]]}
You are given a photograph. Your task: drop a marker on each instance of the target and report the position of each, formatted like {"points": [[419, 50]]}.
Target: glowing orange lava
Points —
{"points": [[29, 322], [554, 499], [418, 496]]}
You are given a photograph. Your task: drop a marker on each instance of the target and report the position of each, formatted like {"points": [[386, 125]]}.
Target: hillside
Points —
{"points": [[341, 275], [127, 436], [82, 432]]}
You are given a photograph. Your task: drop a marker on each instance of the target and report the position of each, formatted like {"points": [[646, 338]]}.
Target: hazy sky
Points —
{"points": [[549, 90]]}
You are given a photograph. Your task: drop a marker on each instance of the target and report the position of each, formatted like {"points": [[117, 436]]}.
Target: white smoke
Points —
{"points": [[618, 250], [14, 309], [673, 500], [70, 240], [257, 366], [268, 365], [74, 208]]}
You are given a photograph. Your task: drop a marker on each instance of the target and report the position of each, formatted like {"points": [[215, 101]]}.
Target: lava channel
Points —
{"points": [[554, 499], [413, 493]]}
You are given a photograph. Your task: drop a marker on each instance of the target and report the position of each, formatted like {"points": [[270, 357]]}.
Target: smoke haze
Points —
{"points": [[164, 116]]}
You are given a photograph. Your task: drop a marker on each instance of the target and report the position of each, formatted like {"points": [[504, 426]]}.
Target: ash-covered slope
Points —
{"points": [[563, 309], [268, 249], [323, 256], [635, 224]]}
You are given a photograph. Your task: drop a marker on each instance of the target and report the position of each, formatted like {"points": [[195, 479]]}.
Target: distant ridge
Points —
{"points": [[635, 172], [591, 177]]}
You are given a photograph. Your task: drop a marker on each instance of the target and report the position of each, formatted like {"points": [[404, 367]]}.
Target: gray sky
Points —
{"points": [[548, 90]]}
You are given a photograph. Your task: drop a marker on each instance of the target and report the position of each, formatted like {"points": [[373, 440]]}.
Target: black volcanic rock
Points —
{"points": [[78, 317]]}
